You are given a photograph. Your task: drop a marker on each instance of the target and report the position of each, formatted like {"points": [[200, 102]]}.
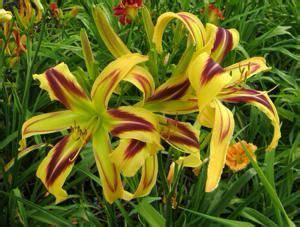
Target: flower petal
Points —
{"points": [[221, 136], [51, 122], [262, 101], [130, 155], [147, 181], [142, 79], [191, 22], [173, 89], [182, 136], [224, 40], [111, 76], [207, 78], [62, 85], [173, 107], [55, 168], [192, 160], [112, 41], [245, 69], [132, 123], [109, 174]]}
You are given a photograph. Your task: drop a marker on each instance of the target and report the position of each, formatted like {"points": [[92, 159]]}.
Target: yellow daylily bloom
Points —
{"points": [[214, 85], [88, 118], [173, 97]]}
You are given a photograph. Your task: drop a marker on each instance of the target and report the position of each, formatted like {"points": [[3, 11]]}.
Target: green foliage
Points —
{"points": [[265, 194]]}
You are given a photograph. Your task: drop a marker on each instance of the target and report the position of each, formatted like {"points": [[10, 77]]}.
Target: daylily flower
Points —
{"points": [[182, 136], [88, 118], [236, 158], [212, 84], [127, 10], [5, 16]]}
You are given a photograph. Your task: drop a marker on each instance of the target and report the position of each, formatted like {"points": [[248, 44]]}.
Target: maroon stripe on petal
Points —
{"points": [[211, 69], [143, 81], [223, 35], [58, 82], [182, 140], [133, 148], [171, 93], [126, 127], [224, 133], [183, 128], [58, 149], [250, 96], [123, 115]]}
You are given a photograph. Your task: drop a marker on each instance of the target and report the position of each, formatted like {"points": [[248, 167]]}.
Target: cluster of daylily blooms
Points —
{"points": [[199, 84]]}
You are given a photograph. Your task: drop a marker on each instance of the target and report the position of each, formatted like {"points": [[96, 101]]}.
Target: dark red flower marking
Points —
{"points": [[125, 10], [133, 148], [171, 93], [59, 85], [250, 95], [211, 69], [224, 38], [57, 165]]}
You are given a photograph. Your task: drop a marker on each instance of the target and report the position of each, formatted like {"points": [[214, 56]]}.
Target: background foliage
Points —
{"points": [[268, 28]]}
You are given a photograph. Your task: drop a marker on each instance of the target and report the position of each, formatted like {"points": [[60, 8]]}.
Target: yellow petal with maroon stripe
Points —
{"points": [[243, 70], [52, 122], [132, 123], [190, 21], [109, 174], [142, 79], [62, 85], [173, 89], [173, 107], [112, 41], [224, 40], [111, 76], [130, 155], [147, 181], [55, 168], [221, 135], [207, 78], [148, 178], [262, 101], [181, 135]]}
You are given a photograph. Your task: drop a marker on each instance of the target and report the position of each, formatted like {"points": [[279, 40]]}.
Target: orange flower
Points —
{"points": [[236, 158], [214, 13], [127, 10]]}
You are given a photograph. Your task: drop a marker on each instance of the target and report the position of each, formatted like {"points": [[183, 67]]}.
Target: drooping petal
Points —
{"points": [[224, 40], [62, 85], [55, 168], [191, 22], [111, 76], [112, 41], [181, 135], [109, 174], [221, 135], [148, 178], [132, 123], [259, 99], [51, 122], [130, 155], [173, 107], [207, 78], [243, 70], [147, 181], [142, 79]]}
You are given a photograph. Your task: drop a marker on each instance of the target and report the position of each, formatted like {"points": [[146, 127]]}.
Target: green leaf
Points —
{"points": [[152, 216], [224, 221]]}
